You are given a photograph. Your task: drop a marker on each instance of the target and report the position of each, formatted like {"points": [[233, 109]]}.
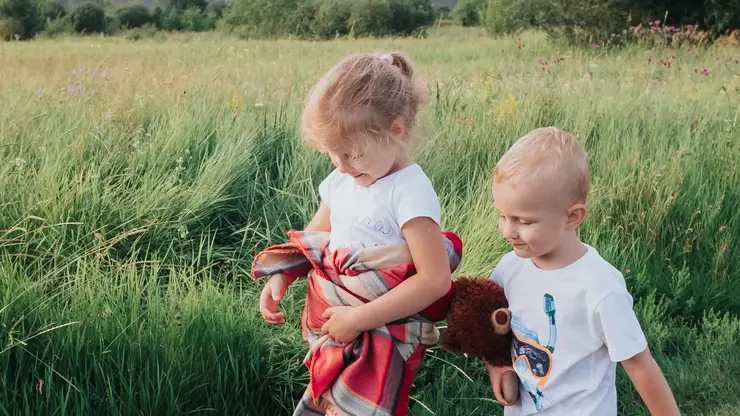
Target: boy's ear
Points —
{"points": [[576, 215]]}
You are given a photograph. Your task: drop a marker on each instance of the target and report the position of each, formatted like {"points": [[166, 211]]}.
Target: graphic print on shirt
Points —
{"points": [[532, 360]]}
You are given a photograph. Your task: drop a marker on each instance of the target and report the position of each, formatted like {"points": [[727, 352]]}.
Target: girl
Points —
{"points": [[377, 232]]}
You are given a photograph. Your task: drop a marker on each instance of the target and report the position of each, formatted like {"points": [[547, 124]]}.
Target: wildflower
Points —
{"points": [[705, 72], [70, 88], [259, 105], [506, 109], [236, 102]]}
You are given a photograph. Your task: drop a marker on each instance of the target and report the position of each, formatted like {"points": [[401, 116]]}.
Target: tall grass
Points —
{"points": [[134, 195]]}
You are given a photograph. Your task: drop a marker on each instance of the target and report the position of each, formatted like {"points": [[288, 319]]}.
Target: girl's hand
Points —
{"points": [[270, 298], [343, 325]]}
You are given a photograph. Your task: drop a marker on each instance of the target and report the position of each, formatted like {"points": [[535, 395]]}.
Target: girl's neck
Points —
{"points": [[403, 161]]}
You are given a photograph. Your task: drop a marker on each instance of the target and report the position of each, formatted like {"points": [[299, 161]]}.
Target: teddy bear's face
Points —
{"points": [[478, 322]]}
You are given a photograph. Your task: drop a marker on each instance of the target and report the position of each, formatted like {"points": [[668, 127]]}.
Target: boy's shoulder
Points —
{"points": [[592, 272]]}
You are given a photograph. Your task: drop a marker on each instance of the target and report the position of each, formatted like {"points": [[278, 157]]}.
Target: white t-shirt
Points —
{"points": [[571, 327], [373, 215]]}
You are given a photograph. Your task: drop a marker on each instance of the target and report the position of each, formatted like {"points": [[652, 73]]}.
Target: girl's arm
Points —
{"points": [[431, 282], [320, 220], [277, 285]]}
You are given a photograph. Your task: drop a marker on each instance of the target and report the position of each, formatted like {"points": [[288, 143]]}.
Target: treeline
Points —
{"points": [[321, 19], [596, 20]]}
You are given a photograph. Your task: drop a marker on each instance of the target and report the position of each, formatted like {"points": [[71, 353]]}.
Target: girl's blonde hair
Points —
{"points": [[361, 96]]}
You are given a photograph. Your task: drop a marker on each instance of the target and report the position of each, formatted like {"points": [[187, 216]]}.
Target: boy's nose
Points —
{"points": [[509, 231]]}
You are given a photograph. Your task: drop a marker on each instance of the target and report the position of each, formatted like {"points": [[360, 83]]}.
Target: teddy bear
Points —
{"points": [[479, 325]]}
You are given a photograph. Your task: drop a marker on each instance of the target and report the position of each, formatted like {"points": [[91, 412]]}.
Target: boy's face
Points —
{"points": [[532, 216]]}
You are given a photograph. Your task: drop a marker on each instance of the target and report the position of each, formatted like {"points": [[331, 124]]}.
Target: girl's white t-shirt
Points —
{"points": [[367, 216]]}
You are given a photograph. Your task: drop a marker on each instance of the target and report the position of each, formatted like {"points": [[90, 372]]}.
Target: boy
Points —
{"points": [[572, 316]]}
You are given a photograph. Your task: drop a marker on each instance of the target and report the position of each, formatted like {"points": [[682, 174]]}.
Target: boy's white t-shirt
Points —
{"points": [[367, 216], [571, 327]]}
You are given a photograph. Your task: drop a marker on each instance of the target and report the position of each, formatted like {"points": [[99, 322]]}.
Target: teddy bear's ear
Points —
{"points": [[450, 343]]}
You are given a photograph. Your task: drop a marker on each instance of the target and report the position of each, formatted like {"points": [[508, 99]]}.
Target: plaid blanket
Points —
{"points": [[373, 374]]}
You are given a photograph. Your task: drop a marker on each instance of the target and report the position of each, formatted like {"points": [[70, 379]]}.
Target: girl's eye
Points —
{"points": [[522, 222]]}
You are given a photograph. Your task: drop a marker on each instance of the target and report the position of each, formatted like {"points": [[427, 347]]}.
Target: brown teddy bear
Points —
{"points": [[479, 324]]}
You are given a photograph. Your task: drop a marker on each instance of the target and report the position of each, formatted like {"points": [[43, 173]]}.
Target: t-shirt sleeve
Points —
{"points": [[617, 325], [325, 188], [414, 197], [499, 272]]}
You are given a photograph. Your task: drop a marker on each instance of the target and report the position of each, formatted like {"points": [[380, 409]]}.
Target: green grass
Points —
{"points": [[128, 218]]}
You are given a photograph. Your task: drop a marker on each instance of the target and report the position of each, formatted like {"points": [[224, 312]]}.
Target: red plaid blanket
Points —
{"points": [[373, 374]]}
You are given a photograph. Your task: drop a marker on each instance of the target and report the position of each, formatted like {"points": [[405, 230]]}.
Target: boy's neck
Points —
{"points": [[569, 251]]}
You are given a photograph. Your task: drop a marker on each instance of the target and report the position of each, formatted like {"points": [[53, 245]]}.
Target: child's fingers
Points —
{"points": [[495, 376], [328, 313]]}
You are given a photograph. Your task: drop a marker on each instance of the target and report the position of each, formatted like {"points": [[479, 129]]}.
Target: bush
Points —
{"points": [[301, 21], [508, 16], [11, 29], [88, 17], [332, 18], [158, 17], [408, 16], [469, 12], [196, 20], [370, 18], [22, 18], [133, 16], [52, 10], [57, 27], [186, 4], [262, 17]]}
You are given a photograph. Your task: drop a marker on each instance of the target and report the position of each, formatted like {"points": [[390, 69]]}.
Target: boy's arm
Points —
{"points": [[649, 381]]}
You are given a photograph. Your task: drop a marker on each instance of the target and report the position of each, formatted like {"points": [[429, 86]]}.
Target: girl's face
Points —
{"points": [[369, 162]]}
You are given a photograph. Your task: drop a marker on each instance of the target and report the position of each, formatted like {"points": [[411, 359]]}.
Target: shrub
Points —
{"points": [[469, 12], [332, 18], [88, 17], [408, 16], [370, 18], [134, 15], [508, 16], [196, 20], [52, 10], [10, 29], [301, 21], [57, 27], [22, 18]]}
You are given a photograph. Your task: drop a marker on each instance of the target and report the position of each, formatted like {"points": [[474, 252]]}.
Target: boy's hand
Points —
{"points": [[496, 375], [270, 298], [343, 325]]}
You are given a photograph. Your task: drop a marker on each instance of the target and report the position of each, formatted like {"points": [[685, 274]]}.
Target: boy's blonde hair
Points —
{"points": [[361, 96], [550, 153]]}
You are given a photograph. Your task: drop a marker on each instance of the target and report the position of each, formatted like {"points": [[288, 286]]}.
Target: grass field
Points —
{"points": [[138, 179]]}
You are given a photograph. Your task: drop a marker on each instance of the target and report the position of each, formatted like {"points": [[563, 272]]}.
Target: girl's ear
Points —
{"points": [[398, 128]]}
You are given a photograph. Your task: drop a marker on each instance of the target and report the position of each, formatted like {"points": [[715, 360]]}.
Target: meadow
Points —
{"points": [[138, 179]]}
